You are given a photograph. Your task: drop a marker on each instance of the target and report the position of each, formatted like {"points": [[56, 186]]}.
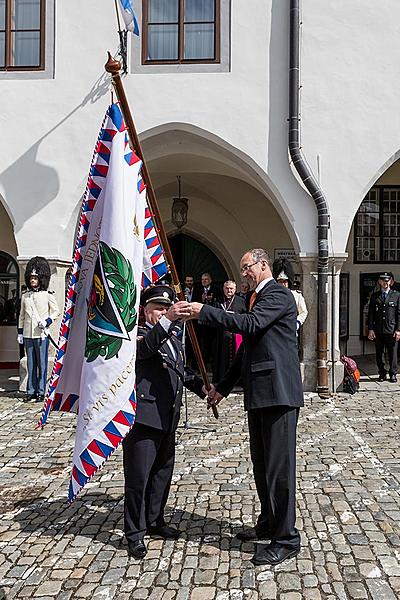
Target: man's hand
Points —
{"points": [[42, 324], [179, 310], [371, 335], [195, 308], [213, 397], [211, 392], [396, 335], [20, 338]]}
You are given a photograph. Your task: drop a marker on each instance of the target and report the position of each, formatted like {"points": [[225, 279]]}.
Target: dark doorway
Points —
{"points": [[191, 257]]}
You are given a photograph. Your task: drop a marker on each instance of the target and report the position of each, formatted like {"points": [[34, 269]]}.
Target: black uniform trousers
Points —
{"points": [[273, 453], [148, 456], [382, 341]]}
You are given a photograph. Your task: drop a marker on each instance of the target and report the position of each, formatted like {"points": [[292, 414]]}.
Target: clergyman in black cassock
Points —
{"points": [[226, 342]]}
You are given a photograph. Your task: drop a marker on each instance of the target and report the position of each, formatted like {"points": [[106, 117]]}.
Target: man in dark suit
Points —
{"points": [[149, 448], [206, 293], [384, 325], [268, 363]]}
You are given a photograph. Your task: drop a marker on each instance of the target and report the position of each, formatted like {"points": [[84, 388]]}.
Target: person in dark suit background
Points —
{"points": [[149, 448], [206, 293], [226, 342], [384, 325], [268, 363], [244, 291]]}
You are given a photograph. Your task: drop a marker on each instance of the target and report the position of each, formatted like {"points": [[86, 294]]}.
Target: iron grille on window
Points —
{"points": [[21, 35], [178, 31]]}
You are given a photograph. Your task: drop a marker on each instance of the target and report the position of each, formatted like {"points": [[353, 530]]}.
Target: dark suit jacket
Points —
{"points": [[384, 317], [267, 360], [160, 378], [214, 293]]}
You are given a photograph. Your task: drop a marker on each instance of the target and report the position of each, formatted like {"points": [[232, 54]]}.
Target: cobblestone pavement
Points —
{"points": [[348, 510]]}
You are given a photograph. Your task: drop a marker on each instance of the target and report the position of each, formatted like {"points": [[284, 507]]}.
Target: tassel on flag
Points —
{"points": [[128, 14]]}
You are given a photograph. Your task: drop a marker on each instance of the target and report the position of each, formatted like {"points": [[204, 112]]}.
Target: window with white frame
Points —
{"points": [[181, 31], [377, 226], [22, 35]]}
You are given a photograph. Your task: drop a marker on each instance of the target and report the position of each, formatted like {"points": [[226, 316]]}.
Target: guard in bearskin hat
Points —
{"points": [[282, 271], [38, 311], [149, 448]]}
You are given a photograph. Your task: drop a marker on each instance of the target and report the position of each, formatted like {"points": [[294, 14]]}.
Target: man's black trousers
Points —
{"points": [[382, 341], [149, 456], [273, 454]]}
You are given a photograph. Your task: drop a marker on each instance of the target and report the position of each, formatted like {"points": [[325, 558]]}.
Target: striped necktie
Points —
{"points": [[252, 299]]}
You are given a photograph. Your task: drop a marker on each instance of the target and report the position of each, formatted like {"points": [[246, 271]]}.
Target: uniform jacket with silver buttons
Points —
{"points": [[160, 377], [36, 306], [384, 316]]}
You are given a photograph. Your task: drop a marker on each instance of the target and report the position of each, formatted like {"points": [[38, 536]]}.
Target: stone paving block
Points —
{"points": [[348, 513], [203, 593], [380, 590]]}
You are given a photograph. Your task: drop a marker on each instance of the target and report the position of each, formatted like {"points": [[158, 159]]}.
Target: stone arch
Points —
{"points": [[215, 156], [8, 241], [207, 239]]}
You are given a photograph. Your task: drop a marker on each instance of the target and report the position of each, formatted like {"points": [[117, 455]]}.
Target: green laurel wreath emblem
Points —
{"points": [[118, 273]]}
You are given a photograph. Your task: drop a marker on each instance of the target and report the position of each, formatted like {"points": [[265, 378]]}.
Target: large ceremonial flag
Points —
{"points": [[94, 369]]}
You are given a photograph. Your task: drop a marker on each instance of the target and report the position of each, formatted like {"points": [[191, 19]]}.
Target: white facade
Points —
{"points": [[224, 132]]}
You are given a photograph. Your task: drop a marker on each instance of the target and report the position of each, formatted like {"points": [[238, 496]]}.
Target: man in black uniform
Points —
{"points": [[384, 325], [149, 448]]}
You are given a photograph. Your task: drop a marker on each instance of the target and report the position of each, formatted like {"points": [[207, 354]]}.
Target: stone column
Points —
{"points": [[335, 366], [308, 264], [57, 284], [310, 333]]}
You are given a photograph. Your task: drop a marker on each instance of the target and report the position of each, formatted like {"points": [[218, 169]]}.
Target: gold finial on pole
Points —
{"points": [[112, 66]]}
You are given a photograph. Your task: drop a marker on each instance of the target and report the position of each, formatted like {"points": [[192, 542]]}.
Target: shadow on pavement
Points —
{"points": [[99, 517]]}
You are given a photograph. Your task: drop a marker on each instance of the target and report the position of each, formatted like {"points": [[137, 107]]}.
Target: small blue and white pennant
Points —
{"points": [[128, 14]]}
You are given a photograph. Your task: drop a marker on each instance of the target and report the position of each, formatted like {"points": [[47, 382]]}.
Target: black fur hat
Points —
{"points": [[40, 267], [282, 265]]}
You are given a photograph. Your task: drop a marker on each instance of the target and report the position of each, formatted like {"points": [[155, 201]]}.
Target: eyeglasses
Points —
{"points": [[245, 268]]}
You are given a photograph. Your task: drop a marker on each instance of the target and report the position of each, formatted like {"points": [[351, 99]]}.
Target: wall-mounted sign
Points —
{"points": [[288, 253]]}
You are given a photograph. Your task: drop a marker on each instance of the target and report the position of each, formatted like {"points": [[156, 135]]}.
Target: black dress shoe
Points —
{"points": [[251, 535], [31, 397], [273, 554], [137, 549], [168, 533], [393, 379], [382, 377]]}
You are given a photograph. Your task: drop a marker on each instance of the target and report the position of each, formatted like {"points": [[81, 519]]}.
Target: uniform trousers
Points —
{"points": [[148, 456], [382, 341], [273, 453], [37, 350]]}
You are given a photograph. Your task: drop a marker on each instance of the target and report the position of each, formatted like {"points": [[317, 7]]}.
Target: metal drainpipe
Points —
{"points": [[316, 193]]}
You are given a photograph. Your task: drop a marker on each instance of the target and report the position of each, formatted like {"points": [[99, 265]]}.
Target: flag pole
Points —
{"points": [[118, 19], [113, 67]]}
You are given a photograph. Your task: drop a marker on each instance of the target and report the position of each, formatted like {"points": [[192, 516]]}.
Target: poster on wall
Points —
{"points": [[368, 284]]}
